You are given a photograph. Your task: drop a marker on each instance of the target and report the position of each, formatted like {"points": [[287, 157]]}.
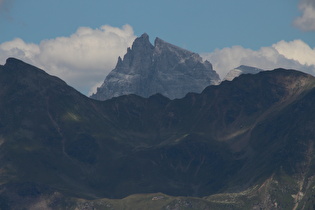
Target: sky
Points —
{"points": [[80, 41]]}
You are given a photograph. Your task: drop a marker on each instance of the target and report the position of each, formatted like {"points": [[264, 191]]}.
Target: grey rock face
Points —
{"points": [[163, 68], [241, 70]]}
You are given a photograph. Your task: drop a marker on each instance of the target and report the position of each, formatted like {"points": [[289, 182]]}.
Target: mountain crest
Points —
{"points": [[242, 69], [252, 137], [13, 63], [142, 42], [159, 42]]}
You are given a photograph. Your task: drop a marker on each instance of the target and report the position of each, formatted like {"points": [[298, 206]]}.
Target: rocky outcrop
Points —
{"points": [[163, 68]]}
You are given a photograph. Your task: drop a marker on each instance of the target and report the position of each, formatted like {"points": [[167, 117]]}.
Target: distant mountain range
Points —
{"points": [[163, 68], [243, 144]]}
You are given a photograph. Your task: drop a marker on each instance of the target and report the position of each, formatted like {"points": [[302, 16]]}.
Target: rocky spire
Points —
{"points": [[163, 68]]}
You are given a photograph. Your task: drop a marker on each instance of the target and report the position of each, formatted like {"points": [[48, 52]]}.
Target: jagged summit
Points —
{"points": [[163, 68], [161, 43], [145, 36], [158, 41], [162, 46], [142, 42]]}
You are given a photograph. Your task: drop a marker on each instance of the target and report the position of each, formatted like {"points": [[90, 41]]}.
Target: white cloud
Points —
{"points": [[290, 55], [82, 59], [18, 48], [296, 50], [306, 22], [85, 58]]}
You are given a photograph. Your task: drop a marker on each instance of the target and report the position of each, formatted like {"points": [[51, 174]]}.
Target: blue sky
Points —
{"points": [[200, 25], [204, 26]]}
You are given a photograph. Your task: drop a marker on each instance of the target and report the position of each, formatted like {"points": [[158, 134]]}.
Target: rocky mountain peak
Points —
{"points": [[158, 43], [163, 46], [142, 42], [163, 68]]}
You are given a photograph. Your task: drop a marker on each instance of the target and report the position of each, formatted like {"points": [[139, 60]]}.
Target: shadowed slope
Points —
{"points": [[227, 138]]}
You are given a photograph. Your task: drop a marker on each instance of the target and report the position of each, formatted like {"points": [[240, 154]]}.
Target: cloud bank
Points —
{"points": [[290, 55], [85, 58], [82, 59], [306, 22]]}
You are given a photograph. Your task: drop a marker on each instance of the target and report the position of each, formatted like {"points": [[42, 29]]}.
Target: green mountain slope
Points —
{"points": [[243, 144]]}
